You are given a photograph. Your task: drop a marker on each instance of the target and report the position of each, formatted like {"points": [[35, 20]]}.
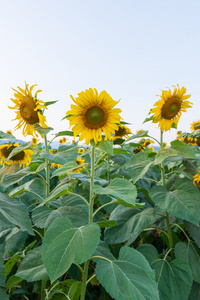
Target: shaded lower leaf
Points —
{"points": [[32, 268], [65, 244], [3, 295], [128, 277]]}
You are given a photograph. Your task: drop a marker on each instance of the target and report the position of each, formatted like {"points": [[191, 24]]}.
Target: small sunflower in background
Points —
{"points": [[195, 125], [169, 108], [54, 166], [28, 110], [64, 140], [93, 114], [138, 149], [196, 179], [80, 162], [73, 141], [22, 158], [81, 151], [34, 141], [60, 141], [121, 132]]}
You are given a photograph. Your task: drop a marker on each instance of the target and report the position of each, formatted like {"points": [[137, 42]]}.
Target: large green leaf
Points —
{"points": [[14, 178], [14, 213], [64, 244], [40, 215], [149, 252], [106, 146], [119, 188], [4, 135], [31, 267], [184, 202], [138, 135], [194, 232], [191, 254], [35, 186], [86, 178], [60, 190], [3, 295], [195, 291], [138, 165], [183, 149], [130, 222], [65, 169], [174, 279], [128, 277]]}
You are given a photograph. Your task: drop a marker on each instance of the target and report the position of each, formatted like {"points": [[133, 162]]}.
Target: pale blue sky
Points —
{"points": [[131, 49]]}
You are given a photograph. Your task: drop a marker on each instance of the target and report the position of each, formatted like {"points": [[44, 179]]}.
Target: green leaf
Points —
{"points": [[64, 244], [2, 271], [194, 232], [7, 136], [130, 222], [11, 179], [3, 295], [63, 133], [162, 154], [86, 178], [32, 268], [183, 149], [65, 169], [75, 290], [40, 215], [195, 291], [106, 146], [174, 279], [138, 165], [56, 193], [42, 130], [128, 277], [36, 186], [138, 135], [190, 254], [149, 252], [184, 202], [106, 223], [18, 149], [120, 189], [50, 102], [13, 281], [13, 212], [11, 262]]}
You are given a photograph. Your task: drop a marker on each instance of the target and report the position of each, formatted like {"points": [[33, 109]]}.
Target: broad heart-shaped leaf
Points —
{"points": [[106, 146], [138, 165], [128, 277], [183, 149], [130, 222], [191, 254], [42, 130], [14, 213], [149, 252], [119, 188], [174, 279], [65, 169], [31, 267], [184, 202], [64, 244], [36, 186]]}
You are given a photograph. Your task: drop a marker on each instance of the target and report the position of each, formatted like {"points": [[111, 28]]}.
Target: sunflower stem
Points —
{"points": [[169, 231], [86, 265], [47, 168]]}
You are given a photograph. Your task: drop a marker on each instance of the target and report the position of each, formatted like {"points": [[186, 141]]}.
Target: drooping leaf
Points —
{"points": [[14, 213], [120, 189], [14, 178], [138, 165], [42, 130], [18, 149], [174, 279], [63, 133], [4, 135], [64, 244], [32, 268], [183, 202], [128, 277], [138, 135], [190, 254], [130, 222]]}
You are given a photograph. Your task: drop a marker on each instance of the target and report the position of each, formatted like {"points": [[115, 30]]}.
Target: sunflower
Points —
{"points": [[92, 114], [22, 158], [60, 141], [138, 149], [54, 165], [168, 110], [9, 132], [79, 162], [195, 125], [81, 151], [64, 140], [196, 179], [34, 141], [28, 110], [122, 132]]}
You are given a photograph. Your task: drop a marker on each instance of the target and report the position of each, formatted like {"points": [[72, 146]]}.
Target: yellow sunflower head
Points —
{"points": [[81, 151], [64, 140], [60, 141], [28, 110], [151, 148], [54, 165], [9, 132], [196, 179], [195, 125], [22, 158], [79, 162], [92, 114], [138, 149], [168, 109], [121, 132], [34, 141]]}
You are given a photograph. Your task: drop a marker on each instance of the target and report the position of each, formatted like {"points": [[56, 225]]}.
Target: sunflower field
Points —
{"points": [[108, 214]]}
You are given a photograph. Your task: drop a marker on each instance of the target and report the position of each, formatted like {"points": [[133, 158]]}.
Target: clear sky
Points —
{"points": [[132, 49]]}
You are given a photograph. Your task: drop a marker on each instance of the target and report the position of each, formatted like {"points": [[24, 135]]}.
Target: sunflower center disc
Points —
{"points": [[95, 117], [28, 113], [171, 108]]}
